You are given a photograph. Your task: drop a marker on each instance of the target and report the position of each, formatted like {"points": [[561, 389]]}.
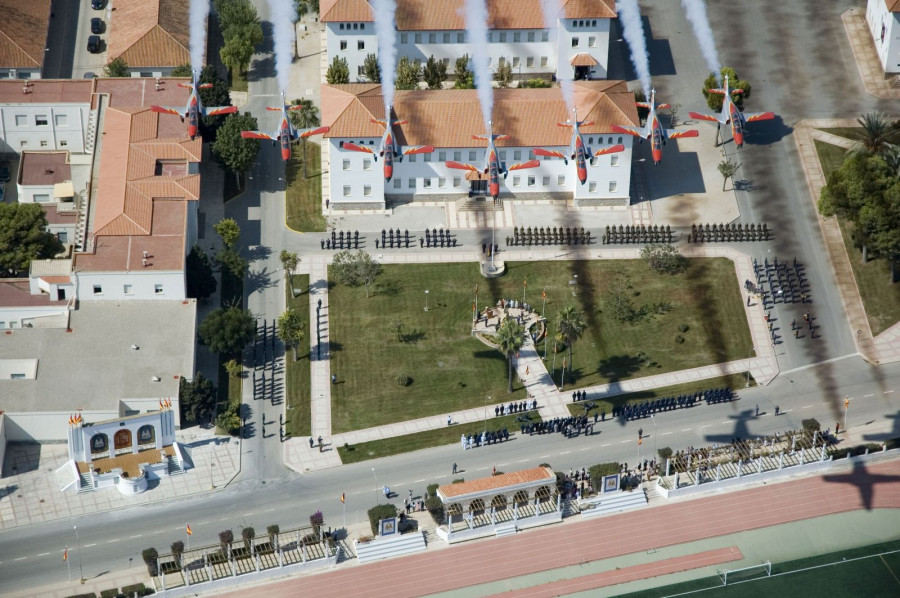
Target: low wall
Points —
{"points": [[2, 441]]}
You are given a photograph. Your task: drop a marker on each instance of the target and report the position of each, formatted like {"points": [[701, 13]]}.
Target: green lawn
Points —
{"points": [[451, 370], [297, 374], [733, 381], [304, 195], [421, 440], [880, 298], [238, 80], [853, 133]]}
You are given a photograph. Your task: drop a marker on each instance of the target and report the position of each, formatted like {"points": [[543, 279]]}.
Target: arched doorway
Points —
{"points": [[122, 441], [99, 443], [146, 435]]}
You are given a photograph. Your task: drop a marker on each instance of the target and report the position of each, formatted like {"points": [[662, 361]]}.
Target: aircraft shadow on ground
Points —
{"points": [[864, 480], [894, 433], [680, 171], [620, 67], [767, 132]]}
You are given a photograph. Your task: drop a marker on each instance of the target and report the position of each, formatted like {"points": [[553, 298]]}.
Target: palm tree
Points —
{"points": [[303, 118], [570, 325], [510, 338], [877, 132], [891, 157]]}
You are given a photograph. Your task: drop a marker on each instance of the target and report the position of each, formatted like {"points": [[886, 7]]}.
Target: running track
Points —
{"points": [[636, 531]]}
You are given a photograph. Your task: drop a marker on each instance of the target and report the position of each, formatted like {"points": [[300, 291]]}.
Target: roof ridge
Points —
{"points": [[20, 48]]}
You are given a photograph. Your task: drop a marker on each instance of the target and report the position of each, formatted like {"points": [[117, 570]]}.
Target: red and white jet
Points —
{"points": [[731, 115], [194, 108], [492, 162], [285, 134], [578, 150], [653, 129], [388, 148]]}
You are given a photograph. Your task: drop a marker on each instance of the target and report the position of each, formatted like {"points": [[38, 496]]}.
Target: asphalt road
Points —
{"points": [[113, 541]]}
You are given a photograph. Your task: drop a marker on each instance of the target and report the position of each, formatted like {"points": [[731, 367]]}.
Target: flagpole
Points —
{"points": [[68, 564], [187, 537]]}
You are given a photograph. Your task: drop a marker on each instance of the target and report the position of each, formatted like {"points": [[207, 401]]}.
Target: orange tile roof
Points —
{"points": [[46, 91], [449, 118], [45, 168], [23, 33], [498, 482], [583, 59], [149, 33], [893, 5], [56, 279], [16, 292], [441, 15]]}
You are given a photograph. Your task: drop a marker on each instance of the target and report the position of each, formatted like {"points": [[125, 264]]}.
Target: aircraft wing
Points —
{"points": [[186, 86], [500, 137], [759, 116], [357, 148], [539, 151], [643, 105], [609, 150], [310, 132], [673, 134], [480, 137], [256, 135], [718, 92], [663, 106], [424, 149], [629, 130], [710, 117], [168, 110], [461, 166], [275, 108], [217, 110], [524, 165]]}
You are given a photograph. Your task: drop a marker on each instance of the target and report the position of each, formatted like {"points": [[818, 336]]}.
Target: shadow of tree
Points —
{"points": [[618, 367], [413, 337]]}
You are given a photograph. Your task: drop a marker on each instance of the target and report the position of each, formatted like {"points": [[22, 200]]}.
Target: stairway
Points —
{"points": [[173, 467], [85, 483], [478, 204], [91, 132], [570, 507]]}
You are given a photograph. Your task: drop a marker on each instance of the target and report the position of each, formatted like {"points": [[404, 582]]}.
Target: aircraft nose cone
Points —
{"points": [[388, 172], [739, 139]]}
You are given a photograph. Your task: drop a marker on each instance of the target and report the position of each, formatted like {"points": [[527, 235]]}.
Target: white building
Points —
{"points": [[44, 115], [447, 120], [576, 47], [883, 17]]}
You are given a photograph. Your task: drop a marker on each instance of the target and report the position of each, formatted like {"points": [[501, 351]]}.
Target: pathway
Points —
{"points": [[866, 56]]}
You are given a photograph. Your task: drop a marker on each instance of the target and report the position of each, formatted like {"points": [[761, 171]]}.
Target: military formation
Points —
{"points": [[341, 240], [637, 234], [549, 236], [780, 282], [727, 233]]}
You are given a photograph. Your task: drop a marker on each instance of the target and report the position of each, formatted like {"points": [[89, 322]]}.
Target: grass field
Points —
{"points": [[451, 370], [421, 440], [297, 383], [733, 381], [304, 195], [238, 80], [853, 133], [847, 574], [880, 298]]}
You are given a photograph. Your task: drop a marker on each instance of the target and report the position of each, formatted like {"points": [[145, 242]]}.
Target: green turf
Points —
{"points": [[451, 370], [733, 381], [853, 133], [830, 156], [421, 440], [297, 374], [238, 80], [304, 194]]}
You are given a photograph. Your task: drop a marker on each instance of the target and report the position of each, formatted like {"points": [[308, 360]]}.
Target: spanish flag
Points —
{"points": [[343, 497], [525, 282], [543, 294], [66, 554], [188, 530]]}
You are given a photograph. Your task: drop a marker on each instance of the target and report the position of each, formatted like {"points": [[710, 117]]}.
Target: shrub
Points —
{"points": [[273, 530], [379, 512], [177, 550], [664, 259], [150, 555], [225, 539], [679, 339], [683, 327], [459, 481], [110, 593], [435, 508], [248, 533], [138, 588], [88, 595], [431, 490], [403, 380], [597, 472], [317, 520], [665, 453]]}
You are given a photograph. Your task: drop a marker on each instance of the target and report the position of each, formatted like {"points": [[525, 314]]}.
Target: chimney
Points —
{"points": [[157, 84], [146, 255], [144, 263]]}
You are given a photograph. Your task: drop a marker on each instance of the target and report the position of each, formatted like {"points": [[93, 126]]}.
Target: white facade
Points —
{"points": [[139, 285], [532, 52], [46, 316], [53, 127], [885, 28], [20, 73], [356, 178]]}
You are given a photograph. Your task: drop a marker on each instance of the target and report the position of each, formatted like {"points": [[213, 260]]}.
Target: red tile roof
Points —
{"points": [[46, 91], [45, 168], [15, 292], [23, 33], [449, 118], [893, 5], [149, 33], [499, 482], [583, 59]]}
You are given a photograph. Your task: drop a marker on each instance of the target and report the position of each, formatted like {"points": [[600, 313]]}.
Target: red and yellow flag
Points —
{"points": [[66, 554], [543, 294], [188, 530], [473, 306], [343, 497], [525, 282]]}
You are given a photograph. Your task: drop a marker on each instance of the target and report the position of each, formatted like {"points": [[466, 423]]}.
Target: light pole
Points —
{"points": [[78, 544], [377, 499], [212, 485], [653, 419], [846, 409], [493, 226], [426, 299]]}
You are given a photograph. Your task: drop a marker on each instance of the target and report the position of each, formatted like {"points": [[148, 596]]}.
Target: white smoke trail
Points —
{"points": [[387, 50], [552, 10], [695, 10], [477, 27], [633, 30], [197, 20], [283, 14]]}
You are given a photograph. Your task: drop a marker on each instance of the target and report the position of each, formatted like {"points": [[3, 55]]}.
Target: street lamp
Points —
{"points": [[653, 419], [377, 500], [426, 299], [78, 544], [212, 485]]}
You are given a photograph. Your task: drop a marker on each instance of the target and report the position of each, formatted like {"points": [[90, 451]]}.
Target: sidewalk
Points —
{"points": [[865, 55]]}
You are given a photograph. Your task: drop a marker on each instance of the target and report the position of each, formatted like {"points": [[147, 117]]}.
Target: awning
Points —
{"points": [[474, 175], [64, 189], [583, 60]]}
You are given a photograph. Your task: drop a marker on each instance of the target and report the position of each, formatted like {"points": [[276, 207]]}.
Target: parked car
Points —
{"points": [[98, 4], [96, 25], [4, 171], [94, 44]]}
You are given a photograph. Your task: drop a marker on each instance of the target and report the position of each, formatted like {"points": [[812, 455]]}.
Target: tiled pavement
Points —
{"points": [[864, 53]]}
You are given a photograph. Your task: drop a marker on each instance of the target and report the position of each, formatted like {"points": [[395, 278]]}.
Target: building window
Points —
{"points": [[397, 183], [543, 61], [503, 155], [343, 44], [367, 190], [545, 35], [517, 155], [545, 181], [592, 187], [411, 184], [362, 26], [490, 37], [614, 160], [592, 42], [502, 37], [341, 27], [427, 157], [620, 140], [471, 156], [426, 183], [442, 183], [355, 26], [360, 71], [404, 38], [412, 157], [432, 38], [574, 42], [594, 23], [446, 38], [418, 38], [531, 181], [41, 120], [461, 37], [128, 289], [61, 119], [42, 197], [612, 186], [442, 156], [516, 181], [21, 120], [367, 164], [98, 289], [609, 141], [62, 236], [360, 45], [446, 61], [157, 289], [457, 156], [517, 36], [529, 62], [346, 164], [531, 36], [43, 143], [515, 61], [561, 180], [346, 190]]}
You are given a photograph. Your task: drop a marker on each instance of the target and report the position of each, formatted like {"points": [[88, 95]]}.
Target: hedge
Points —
{"points": [[379, 512], [139, 588], [597, 473]]}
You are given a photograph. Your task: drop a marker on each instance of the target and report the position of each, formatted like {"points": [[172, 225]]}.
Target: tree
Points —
{"points": [[534, 83], [727, 169], [510, 338], [225, 539], [227, 331], [664, 259], [196, 399], [217, 95], [877, 132], [235, 152], [248, 533], [397, 328], [371, 69], [338, 71], [23, 237], [273, 530], [241, 31], [408, 73], [233, 368], [231, 260], [435, 73], [504, 74], [570, 324], [150, 556], [304, 117], [228, 230], [290, 329], [177, 550], [200, 281], [714, 100], [354, 269], [465, 78], [182, 70], [305, 7], [117, 67], [289, 261]]}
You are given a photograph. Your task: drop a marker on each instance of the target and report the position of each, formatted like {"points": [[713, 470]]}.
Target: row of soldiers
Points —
{"points": [[648, 408], [569, 426], [637, 234], [703, 233], [787, 282], [549, 236], [389, 239], [341, 240], [437, 238]]}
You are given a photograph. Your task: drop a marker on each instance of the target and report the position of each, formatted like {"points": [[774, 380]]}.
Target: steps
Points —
{"points": [[85, 483], [173, 466], [391, 546], [505, 530], [478, 204], [570, 507], [614, 502]]}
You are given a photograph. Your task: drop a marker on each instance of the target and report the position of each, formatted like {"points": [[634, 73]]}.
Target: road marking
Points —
{"points": [[543, 456], [624, 441], [686, 430], [523, 460], [565, 452], [728, 422], [111, 541], [867, 396], [417, 481], [602, 445], [666, 433], [139, 535], [244, 515], [481, 469], [89, 545], [21, 558], [887, 392], [44, 554], [585, 448], [807, 406], [267, 510], [202, 522]]}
